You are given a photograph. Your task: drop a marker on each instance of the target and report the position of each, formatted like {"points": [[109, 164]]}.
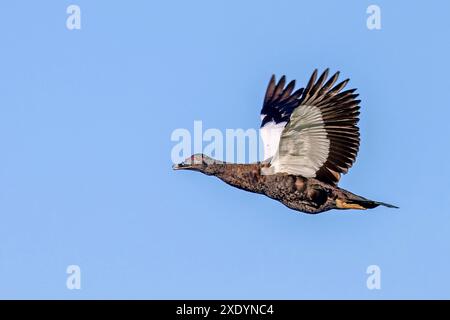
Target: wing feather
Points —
{"points": [[279, 102], [321, 137]]}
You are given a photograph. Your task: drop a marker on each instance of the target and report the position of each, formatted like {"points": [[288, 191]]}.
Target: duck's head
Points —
{"points": [[197, 162]]}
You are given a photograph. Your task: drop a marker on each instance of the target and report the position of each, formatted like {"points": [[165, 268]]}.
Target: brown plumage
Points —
{"points": [[311, 138]]}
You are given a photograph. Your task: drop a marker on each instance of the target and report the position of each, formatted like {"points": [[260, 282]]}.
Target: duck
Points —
{"points": [[310, 137]]}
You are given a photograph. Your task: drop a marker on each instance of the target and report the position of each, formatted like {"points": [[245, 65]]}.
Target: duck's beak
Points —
{"points": [[180, 166]]}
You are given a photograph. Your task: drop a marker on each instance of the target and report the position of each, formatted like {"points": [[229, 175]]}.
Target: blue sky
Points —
{"points": [[85, 170]]}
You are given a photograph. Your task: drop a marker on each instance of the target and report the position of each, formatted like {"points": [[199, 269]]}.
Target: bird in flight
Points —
{"points": [[310, 138]]}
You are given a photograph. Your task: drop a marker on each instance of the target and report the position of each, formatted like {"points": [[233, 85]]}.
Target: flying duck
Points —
{"points": [[310, 138]]}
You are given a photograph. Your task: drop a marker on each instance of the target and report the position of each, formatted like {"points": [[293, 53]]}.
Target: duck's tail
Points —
{"points": [[352, 201]]}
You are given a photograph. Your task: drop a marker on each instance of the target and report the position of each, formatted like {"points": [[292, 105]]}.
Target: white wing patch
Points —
{"points": [[270, 135], [303, 147]]}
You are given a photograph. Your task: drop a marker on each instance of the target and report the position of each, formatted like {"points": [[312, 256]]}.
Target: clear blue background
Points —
{"points": [[85, 169]]}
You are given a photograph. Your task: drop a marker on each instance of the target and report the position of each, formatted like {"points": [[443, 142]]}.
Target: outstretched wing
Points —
{"points": [[279, 102], [321, 139]]}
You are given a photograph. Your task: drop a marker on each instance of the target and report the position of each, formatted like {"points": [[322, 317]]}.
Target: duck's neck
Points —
{"points": [[243, 176]]}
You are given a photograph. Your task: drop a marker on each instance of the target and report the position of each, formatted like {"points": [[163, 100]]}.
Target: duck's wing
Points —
{"points": [[321, 138], [279, 103]]}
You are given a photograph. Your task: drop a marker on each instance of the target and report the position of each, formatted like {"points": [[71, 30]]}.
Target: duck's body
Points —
{"points": [[307, 195], [310, 138]]}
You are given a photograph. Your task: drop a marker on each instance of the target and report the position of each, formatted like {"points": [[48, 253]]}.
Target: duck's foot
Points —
{"points": [[344, 205]]}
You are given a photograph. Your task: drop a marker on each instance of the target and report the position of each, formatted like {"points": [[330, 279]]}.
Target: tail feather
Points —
{"points": [[348, 200], [370, 204]]}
